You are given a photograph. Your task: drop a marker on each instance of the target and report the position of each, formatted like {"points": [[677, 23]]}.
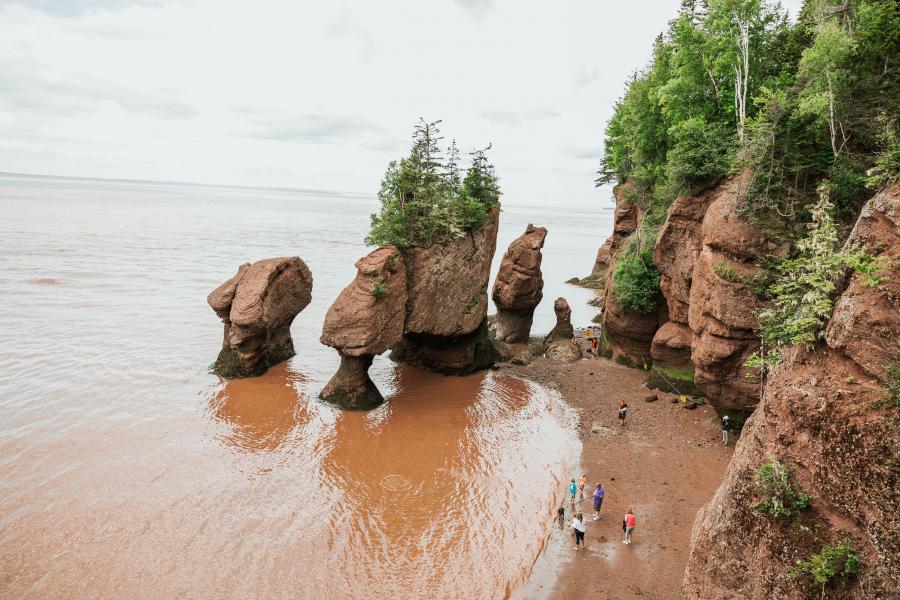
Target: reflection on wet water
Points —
{"points": [[261, 412], [127, 470]]}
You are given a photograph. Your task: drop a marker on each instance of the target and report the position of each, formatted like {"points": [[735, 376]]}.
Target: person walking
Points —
{"points": [[579, 529], [598, 500], [573, 489], [629, 523], [581, 483], [726, 427], [623, 411], [595, 346]]}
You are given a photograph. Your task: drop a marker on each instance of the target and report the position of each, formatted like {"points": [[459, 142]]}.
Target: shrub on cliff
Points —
{"points": [[636, 281], [424, 200], [780, 498], [829, 564], [803, 292]]}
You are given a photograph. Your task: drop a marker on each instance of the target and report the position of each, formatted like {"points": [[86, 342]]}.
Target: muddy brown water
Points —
{"points": [[127, 470]]}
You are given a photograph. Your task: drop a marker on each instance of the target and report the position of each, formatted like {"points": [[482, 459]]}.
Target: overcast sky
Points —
{"points": [[316, 95]]}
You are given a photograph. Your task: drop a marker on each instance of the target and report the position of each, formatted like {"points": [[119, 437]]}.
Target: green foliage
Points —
{"points": [[636, 281], [379, 289], [892, 384], [804, 288], [780, 498], [829, 564], [677, 128], [807, 102], [424, 200], [886, 170], [724, 271]]}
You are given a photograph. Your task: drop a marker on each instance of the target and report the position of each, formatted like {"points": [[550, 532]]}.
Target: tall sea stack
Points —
{"points": [[519, 286]]}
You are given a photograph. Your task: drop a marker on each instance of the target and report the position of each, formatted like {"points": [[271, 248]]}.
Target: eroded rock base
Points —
{"points": [[452, 356], [351, 387]]}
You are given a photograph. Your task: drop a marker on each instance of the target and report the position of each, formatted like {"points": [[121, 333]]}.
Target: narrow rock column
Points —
{"points": [[519, 287], [559, 345]]}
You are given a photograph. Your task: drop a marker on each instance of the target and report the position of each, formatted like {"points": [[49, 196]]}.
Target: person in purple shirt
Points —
{"points": [[598, 500]]}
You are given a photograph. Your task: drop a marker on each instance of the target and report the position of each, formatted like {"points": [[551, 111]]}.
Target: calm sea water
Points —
{"points": [[127, 470]]}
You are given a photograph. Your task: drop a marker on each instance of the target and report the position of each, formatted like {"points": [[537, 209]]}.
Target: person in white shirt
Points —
{"points": [[579, 529]]}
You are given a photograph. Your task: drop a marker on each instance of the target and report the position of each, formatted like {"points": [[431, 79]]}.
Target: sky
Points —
{"points": [[316, 95]]}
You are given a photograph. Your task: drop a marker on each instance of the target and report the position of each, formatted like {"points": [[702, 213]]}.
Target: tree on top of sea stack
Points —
{"points": [[424, 201]]}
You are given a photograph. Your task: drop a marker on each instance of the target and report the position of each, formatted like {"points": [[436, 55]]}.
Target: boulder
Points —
{"points": [[671, 345], [824, 414], [257, 307], [366, 319], [447, 300], [518, 287], [559, 345]]}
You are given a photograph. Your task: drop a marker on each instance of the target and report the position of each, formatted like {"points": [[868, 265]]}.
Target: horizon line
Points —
{"points": [[309, 191]]}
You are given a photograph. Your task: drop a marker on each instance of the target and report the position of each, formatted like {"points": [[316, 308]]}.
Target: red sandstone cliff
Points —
{"points": [[828, 416], [705, 328]]}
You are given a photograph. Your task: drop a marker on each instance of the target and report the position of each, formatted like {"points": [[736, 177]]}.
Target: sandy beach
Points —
{"points": [[665, 463]]}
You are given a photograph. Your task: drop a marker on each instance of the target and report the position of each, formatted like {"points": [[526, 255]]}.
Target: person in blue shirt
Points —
{"points": [[573, 489], [598, 500]]}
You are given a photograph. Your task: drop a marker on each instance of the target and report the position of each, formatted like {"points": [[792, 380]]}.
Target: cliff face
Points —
{"points": [[628, 332], [625, 221], [827, 415], [704, 330]]}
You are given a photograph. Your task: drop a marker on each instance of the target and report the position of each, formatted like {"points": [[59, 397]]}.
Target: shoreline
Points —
{"points": [[665, 463]]}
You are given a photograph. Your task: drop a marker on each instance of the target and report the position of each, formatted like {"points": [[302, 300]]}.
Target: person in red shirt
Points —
{"points": [[629, 524]]}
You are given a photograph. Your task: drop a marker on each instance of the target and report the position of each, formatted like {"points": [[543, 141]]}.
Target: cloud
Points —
{"points": [[585, 153], [516, 117], [310, 128], [477, 8], [26, 87], [73, 8], [587, 76]]}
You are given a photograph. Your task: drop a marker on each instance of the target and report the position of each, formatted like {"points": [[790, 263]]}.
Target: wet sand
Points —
{"points": [[665, 463]]}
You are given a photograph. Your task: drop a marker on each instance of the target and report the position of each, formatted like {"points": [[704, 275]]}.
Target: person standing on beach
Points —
{"points": [[623, 411], [629, 523], [598, 500], [579, 529], [572, 490], [726, 427], [581, 483]]}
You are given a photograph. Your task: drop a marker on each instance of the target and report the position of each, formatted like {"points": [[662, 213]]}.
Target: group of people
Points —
{"points": [[578, 522]]}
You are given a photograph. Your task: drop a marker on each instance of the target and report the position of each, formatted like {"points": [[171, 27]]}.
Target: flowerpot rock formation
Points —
{"points": [[519, 286], [446, 308], [257, 307], [366, 319]]}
